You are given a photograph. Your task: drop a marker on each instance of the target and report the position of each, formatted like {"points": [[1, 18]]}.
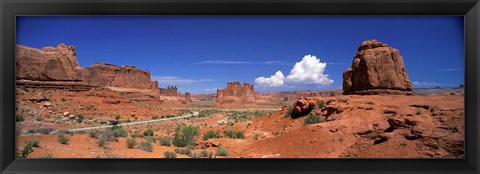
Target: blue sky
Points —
{"points": [[201, 53]]}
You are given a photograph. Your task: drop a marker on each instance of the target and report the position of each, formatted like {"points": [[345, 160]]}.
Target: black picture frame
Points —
{"points": [[470, 9]]}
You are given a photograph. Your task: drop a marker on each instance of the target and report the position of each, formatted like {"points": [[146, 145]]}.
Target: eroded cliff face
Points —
{"points": [[235, 93], [103, 74], [47, 64], [61, 64], [377, 69]]}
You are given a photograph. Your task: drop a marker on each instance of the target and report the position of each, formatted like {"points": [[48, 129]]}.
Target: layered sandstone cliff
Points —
{"points": [[60, 64], [235, 93], [377, 69]]}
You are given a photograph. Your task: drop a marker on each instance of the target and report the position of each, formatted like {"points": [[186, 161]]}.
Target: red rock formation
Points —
{"points": [[235, 93], [60, 64], [169, 91], [377, 69], [187, 97], [103, 74], [47, 64], [303, 106]]}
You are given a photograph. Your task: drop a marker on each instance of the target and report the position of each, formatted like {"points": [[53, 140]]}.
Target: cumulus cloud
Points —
{"points": [[274, 80], [310, 70]]}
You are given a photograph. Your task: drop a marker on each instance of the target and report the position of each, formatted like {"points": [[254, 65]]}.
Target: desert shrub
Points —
{"points": [[374, 134], [62, 139], [151, 139], [19, 118], [203, 146], [128, 120], [137, 135], [164, 141], [255, 137], [290, 110], [117, 131], [93, 133], [403, 143], [452, 93], [148, 132], [343, 100], [146, 146], [18, 132], [42, 131], [203, 153], [117, 117], [79, 118], [35, 143], [185, 136], [211, 134], [320, 104], [131, 143], [207, 113], [311, 119], [39, 119], [169, 154], [222, 151], [154, 117], [28, 148], [133, 115], [47, 156], [234, 134], [183, 151], [418, 112]]}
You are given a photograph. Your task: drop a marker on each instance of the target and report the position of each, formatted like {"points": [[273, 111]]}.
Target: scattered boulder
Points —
{"points": [[66, 113], [377, 69], [304, 106]]}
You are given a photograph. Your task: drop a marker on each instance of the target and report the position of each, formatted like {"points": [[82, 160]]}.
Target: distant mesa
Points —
{"points": [[377, 69], [235, 93], [169, 91]]}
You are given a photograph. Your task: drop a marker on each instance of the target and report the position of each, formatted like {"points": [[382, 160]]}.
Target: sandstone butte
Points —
{"points": [[60, 64], [235, 93], [377, 69]]}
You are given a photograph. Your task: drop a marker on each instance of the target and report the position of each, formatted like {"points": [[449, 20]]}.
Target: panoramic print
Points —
{"points": [[240, 87]]}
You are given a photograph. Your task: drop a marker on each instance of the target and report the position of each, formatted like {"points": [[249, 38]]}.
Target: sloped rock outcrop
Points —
{"points": [[235, 93], [47, 64], [103, 74], [377, 69]]}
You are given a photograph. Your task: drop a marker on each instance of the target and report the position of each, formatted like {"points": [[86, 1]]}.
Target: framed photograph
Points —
{"points": [[254, 86]]}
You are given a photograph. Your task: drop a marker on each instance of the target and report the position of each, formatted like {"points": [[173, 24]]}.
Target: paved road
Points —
{"points": [[127, 124]]}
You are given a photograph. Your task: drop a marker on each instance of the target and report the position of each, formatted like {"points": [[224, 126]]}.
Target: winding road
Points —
{"points": [[127, 124]]}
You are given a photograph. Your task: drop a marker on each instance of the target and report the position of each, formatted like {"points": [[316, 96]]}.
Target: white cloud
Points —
{"points": [[274, 81], [176, 80], [210, 89], [308, 71]]}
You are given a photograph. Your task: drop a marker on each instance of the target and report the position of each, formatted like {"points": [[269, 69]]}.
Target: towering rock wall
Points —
{"points": [[235, 93], [187, 97], [47, 64], [60, 64], [377, 69], [103, 74]]}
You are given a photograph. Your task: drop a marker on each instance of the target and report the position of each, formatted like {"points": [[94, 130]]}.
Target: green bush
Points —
{"points": [[19, 118], [117, 117], [320, 104], [117, 131], [203, 146], [343, 100], [131, 143], [151, 139], [148, 132], [169, 154], [185, 136], [203, 153], [146, 146], [374, 134], [79, 118], [211, 134], [418, 112], [62, 139], [28, 148], [47, 156], [222, 151], [255, 137], [93, 133], [35, 143], [234, 134], [183, 151], [164, 141], [311, 119], [154, 117], [290, 110]]}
